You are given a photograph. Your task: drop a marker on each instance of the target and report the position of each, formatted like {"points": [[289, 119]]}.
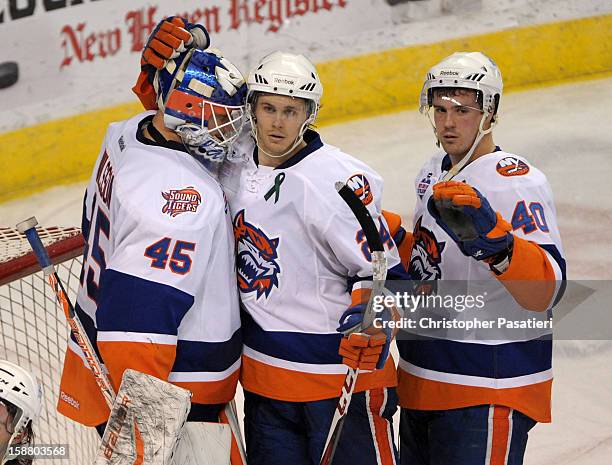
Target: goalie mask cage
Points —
{"points": [[34, 332]]}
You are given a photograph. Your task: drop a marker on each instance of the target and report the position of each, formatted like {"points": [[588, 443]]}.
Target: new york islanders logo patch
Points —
{"points": [[179, 201], [512, 166], [257, 255], [360, 185]]}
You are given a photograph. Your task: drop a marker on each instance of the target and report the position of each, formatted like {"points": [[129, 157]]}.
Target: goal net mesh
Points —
{"points": [[34, 332]]}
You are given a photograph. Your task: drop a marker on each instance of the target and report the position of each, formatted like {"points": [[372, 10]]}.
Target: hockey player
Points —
{"points": [[158, 291], [303, 266], [474, 402], [302, 261], [20, 403]]}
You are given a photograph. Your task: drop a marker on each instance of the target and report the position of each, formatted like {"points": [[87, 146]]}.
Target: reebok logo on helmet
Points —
{"points": [[449, 73], [283, 80]]}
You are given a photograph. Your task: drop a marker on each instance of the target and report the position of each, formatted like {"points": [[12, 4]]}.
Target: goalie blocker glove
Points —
{"points": [[170, 37], [466, 216]]}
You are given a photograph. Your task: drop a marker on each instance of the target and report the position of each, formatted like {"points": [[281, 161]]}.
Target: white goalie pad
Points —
{"points": [[204, 444], [145, 422]]}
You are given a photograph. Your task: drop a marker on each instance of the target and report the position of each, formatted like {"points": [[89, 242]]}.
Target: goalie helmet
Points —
{"points": [[202, 95], [466, 70], [21, 390]]}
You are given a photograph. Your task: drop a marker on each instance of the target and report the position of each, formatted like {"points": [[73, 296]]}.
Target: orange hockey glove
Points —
{"points": [[361, 351], [366, 348], [170, 37]]}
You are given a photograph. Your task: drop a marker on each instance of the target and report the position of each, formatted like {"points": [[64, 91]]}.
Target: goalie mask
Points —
{"points": [[202, 95], [21, 396]]}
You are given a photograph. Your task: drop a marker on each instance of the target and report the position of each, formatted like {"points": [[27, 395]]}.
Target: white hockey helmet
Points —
{"points": [[283, 73], [465, 70], [287, 74], [21, 389]]}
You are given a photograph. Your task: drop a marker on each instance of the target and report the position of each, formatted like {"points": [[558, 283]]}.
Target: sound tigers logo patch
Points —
{"points": [[186, 200]]}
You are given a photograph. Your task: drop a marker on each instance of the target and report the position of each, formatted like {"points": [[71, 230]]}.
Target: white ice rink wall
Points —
{"points": [[77, 59]]}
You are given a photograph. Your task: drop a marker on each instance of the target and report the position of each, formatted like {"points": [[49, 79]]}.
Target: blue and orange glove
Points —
{"points": [[366, 348], [466, 216], [170, 37]]}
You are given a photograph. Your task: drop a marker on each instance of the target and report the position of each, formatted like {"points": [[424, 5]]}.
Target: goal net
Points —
{"points": [[34, 332]]}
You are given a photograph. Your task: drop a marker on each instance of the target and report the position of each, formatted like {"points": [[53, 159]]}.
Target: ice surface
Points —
{"points": [[565, 131]]}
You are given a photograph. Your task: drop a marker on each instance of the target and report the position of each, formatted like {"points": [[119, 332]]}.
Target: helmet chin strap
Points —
{"points": [[450, 174]]}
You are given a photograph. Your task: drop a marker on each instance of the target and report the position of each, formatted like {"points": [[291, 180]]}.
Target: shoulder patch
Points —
{"points": [[511, 166], [186, 200], [424, 184], [360, 185]]}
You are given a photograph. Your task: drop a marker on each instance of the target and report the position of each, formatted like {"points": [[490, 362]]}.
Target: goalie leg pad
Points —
{"points": [[145, 422], [204, 444]]}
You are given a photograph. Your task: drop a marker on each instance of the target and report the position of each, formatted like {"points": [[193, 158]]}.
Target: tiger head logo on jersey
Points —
{"points": [[426, 255], [256, 258], [360, 185]]}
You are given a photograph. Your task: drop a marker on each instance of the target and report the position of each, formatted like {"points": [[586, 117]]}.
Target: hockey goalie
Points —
{"points": [[158, 290]]}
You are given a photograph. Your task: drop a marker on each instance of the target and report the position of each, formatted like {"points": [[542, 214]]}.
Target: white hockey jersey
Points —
{"points": [[158, 291], [516, 372], [300, 253]]}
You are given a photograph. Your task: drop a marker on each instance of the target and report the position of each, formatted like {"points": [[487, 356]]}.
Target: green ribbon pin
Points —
{"points": [[275, 189]]}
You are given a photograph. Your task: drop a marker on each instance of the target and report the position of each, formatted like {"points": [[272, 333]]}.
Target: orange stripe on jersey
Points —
{"points": [[296, 386], [530, 277], [382, 434], [424, 394], [212, 392], [500, 431], [151, 359], [80, 398]]}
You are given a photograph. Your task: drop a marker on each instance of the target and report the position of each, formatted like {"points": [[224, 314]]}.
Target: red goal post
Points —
{"points": [[34, 332]]}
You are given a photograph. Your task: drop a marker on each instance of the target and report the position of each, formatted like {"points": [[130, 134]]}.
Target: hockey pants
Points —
{"points": [[480, 435], [281, 433]]}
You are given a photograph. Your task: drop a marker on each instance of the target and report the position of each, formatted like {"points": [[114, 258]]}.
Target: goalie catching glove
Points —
{"points": [[466, 216], [170, 37], [366, 348]]}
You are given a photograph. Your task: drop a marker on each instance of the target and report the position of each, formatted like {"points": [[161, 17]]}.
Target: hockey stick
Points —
{"points": [[150, 434], [379, 272], [28, 227]]}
